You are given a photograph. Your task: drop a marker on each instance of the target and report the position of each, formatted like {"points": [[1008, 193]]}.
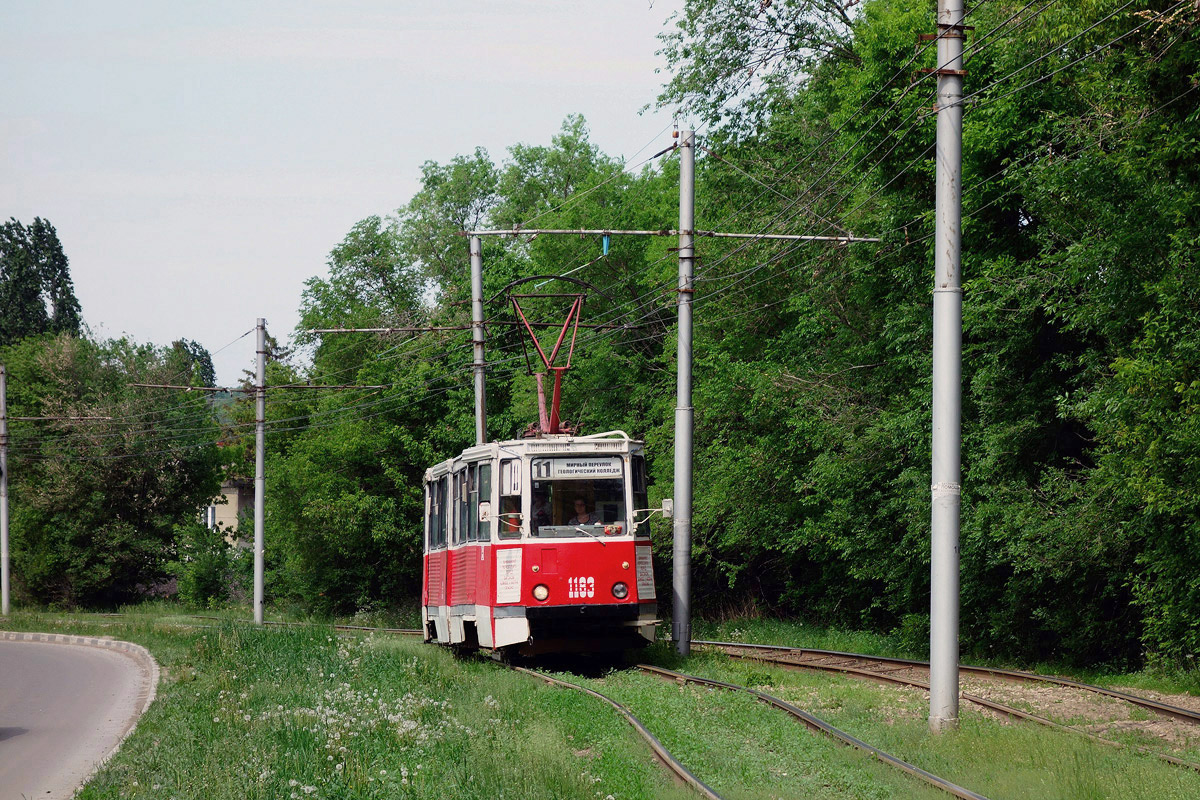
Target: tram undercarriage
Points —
{"points": [[531, 631]]}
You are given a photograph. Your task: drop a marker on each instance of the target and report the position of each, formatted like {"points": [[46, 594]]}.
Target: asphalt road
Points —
{"points": [[63, 708]]}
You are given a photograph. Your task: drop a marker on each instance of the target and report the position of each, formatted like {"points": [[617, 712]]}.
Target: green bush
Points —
{"points": [[206, 569]]}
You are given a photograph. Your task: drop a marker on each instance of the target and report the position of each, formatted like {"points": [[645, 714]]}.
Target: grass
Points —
{"points": [[996, 759], [299, 713], [745, 749]]}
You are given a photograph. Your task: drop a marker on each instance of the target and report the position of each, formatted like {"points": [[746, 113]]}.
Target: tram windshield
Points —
{"points": [[577, 495]]}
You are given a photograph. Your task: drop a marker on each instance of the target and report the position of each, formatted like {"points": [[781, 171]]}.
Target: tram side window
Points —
{"points": [[446, 523], [484, 484], [461, 501], [443, 496], [641, 495], [437, 514], [430, 517], [472, 502], [510, 499]]}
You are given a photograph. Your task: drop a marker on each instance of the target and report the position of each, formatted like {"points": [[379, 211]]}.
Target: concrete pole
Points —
{"points": [[260, 415], [681, 615], [3, 491], [477, 339], [947, 376]]}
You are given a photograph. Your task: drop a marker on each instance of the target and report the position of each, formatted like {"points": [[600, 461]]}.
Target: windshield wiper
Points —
{"points": [[594, 536]]}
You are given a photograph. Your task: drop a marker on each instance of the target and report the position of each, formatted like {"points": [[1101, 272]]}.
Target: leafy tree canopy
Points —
{"points": [[36, 293]]}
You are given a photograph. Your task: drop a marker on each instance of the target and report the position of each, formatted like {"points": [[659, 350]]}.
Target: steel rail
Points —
{"points": [[661, 751], [821, 726], [1000, 708], [1187, 715]]}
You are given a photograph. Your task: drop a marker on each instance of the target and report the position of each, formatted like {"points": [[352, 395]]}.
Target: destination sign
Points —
{"points": [[572, 467]]}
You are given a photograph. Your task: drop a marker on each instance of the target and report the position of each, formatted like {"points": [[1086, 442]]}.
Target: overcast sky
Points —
{"points": [[200, 159]]}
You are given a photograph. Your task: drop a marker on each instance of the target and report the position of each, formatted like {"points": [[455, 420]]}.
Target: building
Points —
{"points": [[235, 503]]}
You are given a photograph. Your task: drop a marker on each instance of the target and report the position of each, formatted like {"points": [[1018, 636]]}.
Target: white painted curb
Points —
{"points": [[139, 655]]}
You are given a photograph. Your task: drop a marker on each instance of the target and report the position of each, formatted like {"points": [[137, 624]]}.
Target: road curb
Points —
{"points": [[146, 663]]}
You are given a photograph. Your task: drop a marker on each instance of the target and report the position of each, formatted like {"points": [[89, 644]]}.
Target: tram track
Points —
{"points": [[811, 721], [866, 667], [660, 751], [882, 669], [1164, 709], [886, 670], [821, 726], [657, 747]]}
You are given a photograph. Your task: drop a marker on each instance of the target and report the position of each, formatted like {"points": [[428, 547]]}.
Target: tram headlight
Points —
{"points": [[620, 590], [541, 592]]}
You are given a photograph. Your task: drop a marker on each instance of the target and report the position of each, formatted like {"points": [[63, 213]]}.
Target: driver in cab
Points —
{"points": [[582, 517]]}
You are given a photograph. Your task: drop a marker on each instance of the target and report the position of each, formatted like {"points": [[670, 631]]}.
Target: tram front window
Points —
{"points": [[577, 496]]}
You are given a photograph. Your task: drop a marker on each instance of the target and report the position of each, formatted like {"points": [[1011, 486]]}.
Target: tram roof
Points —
{"points": [[615, 442]]}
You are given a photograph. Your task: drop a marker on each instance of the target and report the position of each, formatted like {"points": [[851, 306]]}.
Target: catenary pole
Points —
{"points": [[947, 376], [681, 615], [477, 339], [4, 576], [260, 414]]}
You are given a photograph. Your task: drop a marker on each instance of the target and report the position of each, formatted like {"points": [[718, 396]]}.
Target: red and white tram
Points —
{"points": [[534, 545]]}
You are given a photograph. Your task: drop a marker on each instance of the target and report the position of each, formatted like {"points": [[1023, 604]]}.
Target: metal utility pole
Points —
{"points": [[681, 587], [3, 491], [477, 338], [260, 415], [947, 375]]}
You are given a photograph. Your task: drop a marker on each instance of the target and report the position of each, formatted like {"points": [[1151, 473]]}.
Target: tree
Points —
{"points": [[195, 362], [729, 58], [96, 501], [454, 197], [812, 377], [1066, 431], [36, 292]]}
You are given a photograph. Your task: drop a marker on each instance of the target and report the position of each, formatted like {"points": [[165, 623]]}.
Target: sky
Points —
{"points": [[200, 160]]}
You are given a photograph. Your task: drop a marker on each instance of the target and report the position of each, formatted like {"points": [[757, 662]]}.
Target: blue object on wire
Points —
{"points": [[605, 242]]}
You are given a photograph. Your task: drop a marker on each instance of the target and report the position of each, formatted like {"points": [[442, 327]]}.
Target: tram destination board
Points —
{"points": [[575, 467]]}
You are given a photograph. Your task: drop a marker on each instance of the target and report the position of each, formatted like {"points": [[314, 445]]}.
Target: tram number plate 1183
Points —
{"points": [[581, 587]]}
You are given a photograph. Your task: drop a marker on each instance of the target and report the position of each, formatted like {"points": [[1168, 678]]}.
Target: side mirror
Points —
{"points": [[668, 508]]}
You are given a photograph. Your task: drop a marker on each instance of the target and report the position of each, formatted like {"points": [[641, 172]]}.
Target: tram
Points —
{"points": [[540, 545]]}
